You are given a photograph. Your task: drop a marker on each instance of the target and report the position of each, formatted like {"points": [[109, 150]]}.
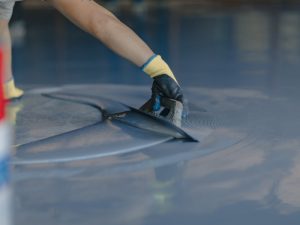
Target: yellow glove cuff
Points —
{"points": [[156, 66], [11, 91]]}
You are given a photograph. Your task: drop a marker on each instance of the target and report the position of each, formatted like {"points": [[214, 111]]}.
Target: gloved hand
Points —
{"points": [[165, 86]]}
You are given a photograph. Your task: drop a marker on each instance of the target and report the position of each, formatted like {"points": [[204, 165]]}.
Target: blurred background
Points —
{"points": [[207, 42]]}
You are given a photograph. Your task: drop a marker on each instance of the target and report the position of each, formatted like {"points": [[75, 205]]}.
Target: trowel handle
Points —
{"points": [[175, 110]]}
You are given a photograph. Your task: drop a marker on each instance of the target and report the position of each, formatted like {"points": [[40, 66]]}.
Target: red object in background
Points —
{"points": [[2, 99]]}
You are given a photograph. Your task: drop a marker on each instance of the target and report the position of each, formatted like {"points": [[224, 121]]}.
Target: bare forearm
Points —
{"points": [[102, 24], [6, 45]]}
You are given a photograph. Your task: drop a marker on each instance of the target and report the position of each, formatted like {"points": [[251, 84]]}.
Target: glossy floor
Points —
{"points": [[239, 68]]}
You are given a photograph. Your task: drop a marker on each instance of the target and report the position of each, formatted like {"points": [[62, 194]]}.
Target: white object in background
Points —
{"points": [[5, 192], [5, 195]]}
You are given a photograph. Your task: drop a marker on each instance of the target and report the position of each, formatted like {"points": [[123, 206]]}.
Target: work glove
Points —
{"points": [[165, 86]]}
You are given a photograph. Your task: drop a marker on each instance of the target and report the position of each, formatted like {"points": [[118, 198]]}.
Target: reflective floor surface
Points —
{"points": [[239, 69]]}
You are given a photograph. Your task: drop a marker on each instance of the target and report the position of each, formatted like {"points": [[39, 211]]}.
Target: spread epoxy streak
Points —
{"points": [[133, 131], [133, 117], [91, 142]]}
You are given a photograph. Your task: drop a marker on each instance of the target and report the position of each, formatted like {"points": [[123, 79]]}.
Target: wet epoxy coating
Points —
{"points": [[240, 73]]}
